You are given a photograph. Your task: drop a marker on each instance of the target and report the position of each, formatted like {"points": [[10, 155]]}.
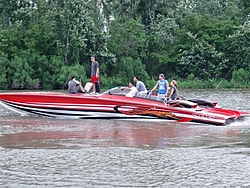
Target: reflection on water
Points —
{"points": [[47, 152], [33, 132], [44, 152]]}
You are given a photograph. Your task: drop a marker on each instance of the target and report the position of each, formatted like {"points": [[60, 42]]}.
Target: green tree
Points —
{"points": [[3, 71], [19, 74], [202, 60], [162, 39], [129, 68], [239, 48], [128, 39], [71, 23]]}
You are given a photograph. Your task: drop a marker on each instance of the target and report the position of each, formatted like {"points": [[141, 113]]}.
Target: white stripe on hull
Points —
{"points": [[13, 109], [69, 112], [72, 113]]}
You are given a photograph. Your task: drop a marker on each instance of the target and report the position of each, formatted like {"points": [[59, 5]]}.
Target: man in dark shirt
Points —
{"points": [[94, 73], [74, 86], [141, 88]]}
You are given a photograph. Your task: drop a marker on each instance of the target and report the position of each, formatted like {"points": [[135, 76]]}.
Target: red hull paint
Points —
{"points": [[112, 106]]}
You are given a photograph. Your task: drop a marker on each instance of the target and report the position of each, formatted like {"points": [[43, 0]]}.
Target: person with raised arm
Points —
{"points": [[132, 89], [162, 85]]}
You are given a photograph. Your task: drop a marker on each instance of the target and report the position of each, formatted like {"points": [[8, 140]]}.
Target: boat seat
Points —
{"points": [[141, 94], [88, 86], [182, 104], [156, 98]]}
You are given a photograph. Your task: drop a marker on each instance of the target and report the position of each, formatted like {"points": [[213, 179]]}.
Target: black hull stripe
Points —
{"points": [[61, 112], [43, 112]]}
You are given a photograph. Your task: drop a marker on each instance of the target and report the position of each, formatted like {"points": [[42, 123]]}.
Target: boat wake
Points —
{"points": [[6, 110], [242, 121]]}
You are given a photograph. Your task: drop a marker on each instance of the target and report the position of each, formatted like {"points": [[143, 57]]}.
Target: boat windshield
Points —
{"points": [[117, 91], [122, 92]]}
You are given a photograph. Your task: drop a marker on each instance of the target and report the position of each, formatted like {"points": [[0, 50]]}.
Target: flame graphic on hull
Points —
{"points": [[148, 111]]}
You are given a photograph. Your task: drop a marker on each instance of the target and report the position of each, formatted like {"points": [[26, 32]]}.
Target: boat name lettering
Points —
{"points": [[203, 116]]}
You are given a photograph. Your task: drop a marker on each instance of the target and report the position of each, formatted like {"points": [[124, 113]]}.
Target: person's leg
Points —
{"points": [[82, 89], [94, 88], [78, 88], [97, 87], [142, 94], [93, 79]]}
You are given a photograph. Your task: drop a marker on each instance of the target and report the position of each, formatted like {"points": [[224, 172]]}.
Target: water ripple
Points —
{"points": [[123, 167], [47, 152]]}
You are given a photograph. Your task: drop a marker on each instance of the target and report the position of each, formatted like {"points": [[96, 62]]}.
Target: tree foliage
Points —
{"points": [[43, 43]]}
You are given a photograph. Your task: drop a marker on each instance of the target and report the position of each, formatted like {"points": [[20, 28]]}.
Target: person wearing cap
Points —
{"points": [[162, 85], [74, 86]]}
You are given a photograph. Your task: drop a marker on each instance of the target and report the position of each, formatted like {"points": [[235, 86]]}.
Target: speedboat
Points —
{"points": [[114, 104]]}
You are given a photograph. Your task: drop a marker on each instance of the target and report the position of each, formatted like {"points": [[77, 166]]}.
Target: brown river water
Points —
{"points": [[49, 152]]}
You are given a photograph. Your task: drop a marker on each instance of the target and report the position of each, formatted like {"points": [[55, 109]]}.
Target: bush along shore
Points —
{"points": [[199, 43]]}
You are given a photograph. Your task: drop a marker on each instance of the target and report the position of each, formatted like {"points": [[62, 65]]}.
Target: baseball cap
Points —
{"points": [[162, 75]]}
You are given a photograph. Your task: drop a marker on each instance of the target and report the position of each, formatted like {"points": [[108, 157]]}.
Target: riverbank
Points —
{"points": [[192, 83], [212, 84]]}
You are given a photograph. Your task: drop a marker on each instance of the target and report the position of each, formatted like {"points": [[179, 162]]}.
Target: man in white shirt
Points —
{"points": [[132, 89]]}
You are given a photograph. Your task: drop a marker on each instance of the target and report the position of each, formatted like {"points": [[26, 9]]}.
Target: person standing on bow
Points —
{"points": [[94, 74], [162, 85]]}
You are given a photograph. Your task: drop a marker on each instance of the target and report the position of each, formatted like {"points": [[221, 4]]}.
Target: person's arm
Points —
{"points": [[97, 69], [97, 72], [77, 82], [167, 89], [122, 88], [137, 86], [156, 85], [171, 93]]}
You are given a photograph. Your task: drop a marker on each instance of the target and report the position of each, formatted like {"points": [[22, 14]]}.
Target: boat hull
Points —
{"points": [[106, 106]]}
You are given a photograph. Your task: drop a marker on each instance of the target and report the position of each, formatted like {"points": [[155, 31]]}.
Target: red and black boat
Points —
{"points": [[113, 104]]}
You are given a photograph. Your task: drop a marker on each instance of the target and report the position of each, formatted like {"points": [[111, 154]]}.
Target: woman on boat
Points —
{"points": [[174, 91], [162, 85]]}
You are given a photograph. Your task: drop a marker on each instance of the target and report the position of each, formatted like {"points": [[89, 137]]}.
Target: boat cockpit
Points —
{"points": [[119, 91]]}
